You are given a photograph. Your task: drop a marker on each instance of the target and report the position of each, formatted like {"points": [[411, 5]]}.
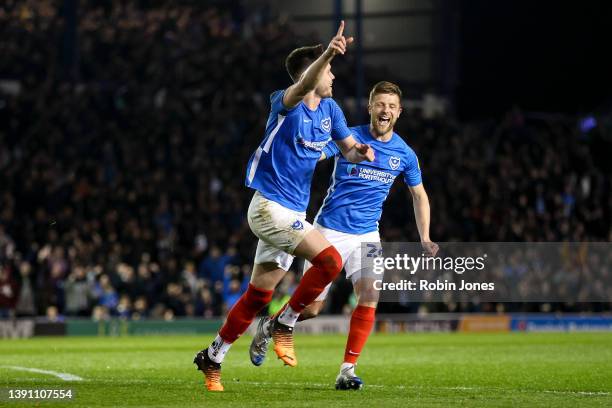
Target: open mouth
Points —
{"points": [[383, 121]]}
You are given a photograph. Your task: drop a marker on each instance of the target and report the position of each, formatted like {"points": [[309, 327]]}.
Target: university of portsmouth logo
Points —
{"points": [[394, 162], [326, 124], [351, 169], [297, 225]]}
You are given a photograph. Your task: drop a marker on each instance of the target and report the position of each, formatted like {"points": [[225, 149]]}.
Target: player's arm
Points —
{"points": [[353, 151], [345, 143], [310, 78], [420, 202], [330, 150], [356, 153]]}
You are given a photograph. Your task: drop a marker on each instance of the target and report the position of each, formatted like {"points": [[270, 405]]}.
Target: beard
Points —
{"points": [[381, 129]]}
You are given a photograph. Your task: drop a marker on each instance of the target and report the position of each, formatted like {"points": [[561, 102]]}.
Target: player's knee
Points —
{"points": [[368, 296], [329, 262], [365, 289]]}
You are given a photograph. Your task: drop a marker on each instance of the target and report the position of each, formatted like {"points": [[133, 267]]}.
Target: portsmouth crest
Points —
{"points": [[326, 124], [351, 169], [394, 162]]}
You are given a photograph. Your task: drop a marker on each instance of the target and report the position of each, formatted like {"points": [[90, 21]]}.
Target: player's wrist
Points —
{"points": [[329, 53]]}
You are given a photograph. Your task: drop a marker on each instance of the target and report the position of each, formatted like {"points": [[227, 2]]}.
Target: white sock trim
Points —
{"points": [[218, 349], [288, 317], [347, 368]]}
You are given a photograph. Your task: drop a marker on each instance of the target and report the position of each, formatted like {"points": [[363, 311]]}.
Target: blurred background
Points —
{"points": [[126, 127]]}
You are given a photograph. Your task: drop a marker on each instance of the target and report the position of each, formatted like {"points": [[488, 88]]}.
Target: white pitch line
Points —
{"points": [[63, 376], [417, 387], [577, 392]]}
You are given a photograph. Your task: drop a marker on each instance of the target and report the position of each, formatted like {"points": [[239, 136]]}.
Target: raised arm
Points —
{"points": [[311, 76]]}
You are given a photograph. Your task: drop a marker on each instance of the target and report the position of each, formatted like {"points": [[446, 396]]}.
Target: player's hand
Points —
{"points": [[430, 248], [339, 43], [364, 151]]}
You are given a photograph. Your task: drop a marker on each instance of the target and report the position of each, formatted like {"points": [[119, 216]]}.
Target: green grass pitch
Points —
{"points": [[421, 370]]}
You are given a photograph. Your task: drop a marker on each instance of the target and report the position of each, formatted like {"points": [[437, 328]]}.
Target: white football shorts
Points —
{"points": [[279, 229], [349, 247]]}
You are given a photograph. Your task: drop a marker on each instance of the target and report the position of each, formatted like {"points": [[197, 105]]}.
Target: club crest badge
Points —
{"points": [[394, 162], [326, 124]]}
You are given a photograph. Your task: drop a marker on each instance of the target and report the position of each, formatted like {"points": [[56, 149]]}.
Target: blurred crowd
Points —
{"points": [[124, 140]]}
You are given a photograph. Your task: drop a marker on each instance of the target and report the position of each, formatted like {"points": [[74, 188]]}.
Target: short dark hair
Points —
{"points": [[300, 58], [385, 87]]}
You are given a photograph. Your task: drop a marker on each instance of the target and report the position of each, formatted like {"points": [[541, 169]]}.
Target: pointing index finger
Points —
{"points": [[341, 28]]}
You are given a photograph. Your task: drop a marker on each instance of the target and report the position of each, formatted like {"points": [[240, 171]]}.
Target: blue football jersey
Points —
{"points": [[282, 166], [357, 192]]}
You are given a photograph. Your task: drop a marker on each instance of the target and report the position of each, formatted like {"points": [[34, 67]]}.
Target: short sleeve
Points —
{"points": [[340, 129], [276, 102], [412, 172], [331, 150]]}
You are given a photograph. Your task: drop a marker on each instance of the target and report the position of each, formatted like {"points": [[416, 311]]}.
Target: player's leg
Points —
{"points": [[362, 318], [312, 310], [343, 243], [262, 337], [264, 279], [270, 266], [361, 325], [279, 230], [326, 265]]}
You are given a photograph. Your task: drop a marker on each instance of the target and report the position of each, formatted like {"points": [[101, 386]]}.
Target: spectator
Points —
{"points": [[53, 315], [190, 279], [116, 162], [124, 308], [213, 265], [206, 305], [140, 308], [100, 313], [174, 299], [78, 293], [106, 294], [233, 294], [26, 305], [8, 292]]}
